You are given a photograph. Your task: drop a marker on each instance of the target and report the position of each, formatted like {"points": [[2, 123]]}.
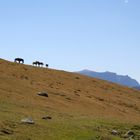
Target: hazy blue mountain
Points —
{"points": [[137, 87], [112, 77]]}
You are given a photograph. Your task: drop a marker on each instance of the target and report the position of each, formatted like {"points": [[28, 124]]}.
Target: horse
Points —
{"points": [[40, 64], [47, 65], [35, 63], [19, 60]]}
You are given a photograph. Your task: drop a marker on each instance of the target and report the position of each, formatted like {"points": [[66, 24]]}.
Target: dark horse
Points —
{"points": [[19, 60], [40, 64], [47, 65], [37, 63]]}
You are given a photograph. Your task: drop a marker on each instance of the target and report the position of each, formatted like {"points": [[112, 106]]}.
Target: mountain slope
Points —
{"points": [[76, 103], [112, 77]]}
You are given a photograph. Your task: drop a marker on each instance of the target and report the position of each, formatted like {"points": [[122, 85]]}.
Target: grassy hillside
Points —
{"points": [[82, 108]]}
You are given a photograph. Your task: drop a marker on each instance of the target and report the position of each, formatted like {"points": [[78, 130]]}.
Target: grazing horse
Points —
{"points": [[40, 64], [47, 65], [35, 63], [19, 60]]}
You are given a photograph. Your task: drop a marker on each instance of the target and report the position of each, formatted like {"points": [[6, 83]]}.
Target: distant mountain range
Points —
{"points": [[112, 77], [137, 87]]}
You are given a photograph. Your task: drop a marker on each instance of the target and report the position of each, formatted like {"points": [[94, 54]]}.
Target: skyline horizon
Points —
{"points": [[68, 70]]}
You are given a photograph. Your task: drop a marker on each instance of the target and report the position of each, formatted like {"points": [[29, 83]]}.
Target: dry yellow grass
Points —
{"points": [[71, 96], [68, 92]]}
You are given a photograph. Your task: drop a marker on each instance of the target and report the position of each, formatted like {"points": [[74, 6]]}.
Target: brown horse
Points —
{"points": [[19, 60], [37, 63], [47, 65], [40, 64]]}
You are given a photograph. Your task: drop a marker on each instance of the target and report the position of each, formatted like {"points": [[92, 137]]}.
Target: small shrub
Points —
{"points": [[77, 78], [136, 127]]}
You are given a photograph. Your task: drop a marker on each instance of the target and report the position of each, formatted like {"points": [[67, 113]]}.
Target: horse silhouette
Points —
{"points": [[47, 65], [19, 60], [40, 64], [37, 63]]}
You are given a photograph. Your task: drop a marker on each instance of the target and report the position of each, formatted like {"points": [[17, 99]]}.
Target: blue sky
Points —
{"points": [[100, 35]]}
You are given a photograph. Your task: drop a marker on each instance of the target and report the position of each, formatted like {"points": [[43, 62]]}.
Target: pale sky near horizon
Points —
{"points": [[100, 35]]}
